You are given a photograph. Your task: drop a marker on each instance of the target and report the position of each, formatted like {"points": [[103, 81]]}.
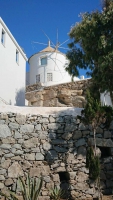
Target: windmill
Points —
{"points": [[55, 66]]}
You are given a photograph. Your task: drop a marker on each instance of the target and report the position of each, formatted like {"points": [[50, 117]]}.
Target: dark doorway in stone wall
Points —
{"points": [[105, 152], [64, 184], [64, 176]]}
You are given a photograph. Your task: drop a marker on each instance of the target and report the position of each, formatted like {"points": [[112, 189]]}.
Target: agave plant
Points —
{"points": [[56, 193], [30, 190]]}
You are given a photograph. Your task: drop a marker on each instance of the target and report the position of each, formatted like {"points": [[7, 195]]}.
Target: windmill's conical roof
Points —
{"points": [[49, 49]]}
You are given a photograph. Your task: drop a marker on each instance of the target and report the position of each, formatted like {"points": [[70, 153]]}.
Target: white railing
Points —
{"points": [[5, 102]]}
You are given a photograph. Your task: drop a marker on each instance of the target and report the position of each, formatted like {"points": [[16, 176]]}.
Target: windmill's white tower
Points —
{"points": [[48, 67]]}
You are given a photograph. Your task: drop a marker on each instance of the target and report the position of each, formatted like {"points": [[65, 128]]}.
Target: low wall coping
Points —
{"points": [[41, 110]]}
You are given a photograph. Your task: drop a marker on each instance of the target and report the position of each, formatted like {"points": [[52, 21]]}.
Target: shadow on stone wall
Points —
{"points": [[54, 146]]}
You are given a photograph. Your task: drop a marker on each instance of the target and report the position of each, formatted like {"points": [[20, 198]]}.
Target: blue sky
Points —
{"points": [[27, 18]]}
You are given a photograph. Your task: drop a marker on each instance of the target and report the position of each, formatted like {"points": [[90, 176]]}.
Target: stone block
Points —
{"points": [[47, 146], [30, 156], [101, 142], [21, 119], [27, 128], [15, 170], [13, 126], [8, 140], [39, 156], [51, 155], [80, 142], [81, 152], [31, 143], [4, 131], [37, 171], [77, 135]]}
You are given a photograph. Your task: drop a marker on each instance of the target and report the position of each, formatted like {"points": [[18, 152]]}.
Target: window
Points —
{"points": [[3, 37], [38, 78], [49, 77], [17, 56], [44, 61]]}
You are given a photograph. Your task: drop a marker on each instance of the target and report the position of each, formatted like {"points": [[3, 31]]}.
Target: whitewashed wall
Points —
{"points": [[12, 75], [55, 65]]}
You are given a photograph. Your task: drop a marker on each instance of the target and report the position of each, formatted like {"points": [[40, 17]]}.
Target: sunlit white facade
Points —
{"points": [[12, 69], [48, 68]]}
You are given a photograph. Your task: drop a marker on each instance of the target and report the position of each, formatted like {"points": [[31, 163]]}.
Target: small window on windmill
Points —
{"points": [[43, 61], [49, 77], [38, 78]]}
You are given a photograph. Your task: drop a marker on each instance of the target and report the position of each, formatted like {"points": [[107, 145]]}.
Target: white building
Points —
{"points": [[12, 69], [48, 68]]}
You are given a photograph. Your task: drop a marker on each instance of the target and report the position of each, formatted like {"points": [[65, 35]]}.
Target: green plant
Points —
{"points": [[92, 162], [30, 190], [56, 193]]}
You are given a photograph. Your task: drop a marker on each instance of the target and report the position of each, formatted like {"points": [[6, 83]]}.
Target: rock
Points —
{"points": [[27, 128], [53, 126], [8, 140], [19, 152], [81, 152], [80, 142], [60, 149], [51, 155], [5, 164], [42, 135], [18, 135], [82, 127], [30, 156], [13, 126], [72, 175], [1, 185], [47, 146], [5, 146], [46, 179], [21, 119], [17, 146], [107, 134], [8, 155], [38, 127], [100, 142], [26, 164], [67, 136], [77, 135], [8, 182], [2, 178], [37, 171], [55, 178], [99, 130], [3, 116], [70, 127], [15, 170], [31, 143], [39, 156], [51, 119], [4, 131], [59, 142], [2, 171], [81, 177], [70, 158]]}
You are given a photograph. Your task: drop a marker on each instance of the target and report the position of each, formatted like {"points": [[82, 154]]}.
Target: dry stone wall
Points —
{"points": [[53, 146], [63, 95]]}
